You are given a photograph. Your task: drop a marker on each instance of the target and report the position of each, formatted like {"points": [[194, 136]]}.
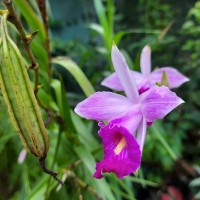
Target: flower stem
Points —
{"points": [[48, 171]]}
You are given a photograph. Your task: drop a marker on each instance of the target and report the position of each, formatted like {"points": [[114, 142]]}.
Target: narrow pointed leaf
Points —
{"points": [[77, 73]]}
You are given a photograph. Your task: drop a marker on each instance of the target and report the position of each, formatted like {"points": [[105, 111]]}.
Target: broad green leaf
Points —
{"points": [[76, 72]]}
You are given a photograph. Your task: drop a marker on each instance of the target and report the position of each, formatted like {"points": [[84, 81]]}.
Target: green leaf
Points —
{"points": [[62, 102], [142, 181], [5, 138], [101, 186], [158, 131], [32, 19], [97, 28], [106, 21], [76, 72], [46, 99], [39, 190], [84, 133], [101, 14], [40, 53]]}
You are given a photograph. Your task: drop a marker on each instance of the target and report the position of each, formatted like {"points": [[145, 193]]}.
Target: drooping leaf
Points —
{"points": [[76, 72]]}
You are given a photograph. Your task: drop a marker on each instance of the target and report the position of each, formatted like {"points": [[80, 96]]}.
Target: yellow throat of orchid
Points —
{"points": [[122, 143]]}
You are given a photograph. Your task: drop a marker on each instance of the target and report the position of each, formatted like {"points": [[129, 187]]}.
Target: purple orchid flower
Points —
{"points": [[123, 137], [146, 78]]}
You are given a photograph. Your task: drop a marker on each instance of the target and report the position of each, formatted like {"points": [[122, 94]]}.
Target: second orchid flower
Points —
{"points": [[146, 78]]}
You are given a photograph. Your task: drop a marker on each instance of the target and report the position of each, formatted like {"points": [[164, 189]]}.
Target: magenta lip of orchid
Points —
{"points": [[126, 116], [122, 153], [146, 78]]}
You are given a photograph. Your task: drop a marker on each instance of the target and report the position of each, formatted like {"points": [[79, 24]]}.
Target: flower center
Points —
{"points": [[122, 143]]}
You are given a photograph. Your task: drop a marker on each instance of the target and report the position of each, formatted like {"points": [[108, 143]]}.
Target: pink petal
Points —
{"points": [[122, 154], [176, 79], [113, 82], [22, 156], [144, 86], [129, 119], [145, 61], [141, 133], [103, 106], [123, 72], [158, 102]]}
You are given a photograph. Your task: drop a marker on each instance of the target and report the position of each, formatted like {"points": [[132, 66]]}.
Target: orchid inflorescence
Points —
{"points": [[127, 117]]}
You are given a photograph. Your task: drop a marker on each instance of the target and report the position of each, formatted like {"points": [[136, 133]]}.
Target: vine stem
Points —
{"points": [[26, 40], [48, 171], [43, 10]]}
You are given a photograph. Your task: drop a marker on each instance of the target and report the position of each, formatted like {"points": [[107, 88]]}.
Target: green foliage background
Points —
{"points": [[82, 32]]}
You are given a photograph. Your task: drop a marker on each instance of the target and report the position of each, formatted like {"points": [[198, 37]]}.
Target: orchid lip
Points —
{"points": [[122, 154]]}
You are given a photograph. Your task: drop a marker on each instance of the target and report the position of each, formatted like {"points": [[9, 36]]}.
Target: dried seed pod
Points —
{"points": [[20, 99]]}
